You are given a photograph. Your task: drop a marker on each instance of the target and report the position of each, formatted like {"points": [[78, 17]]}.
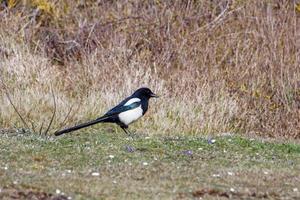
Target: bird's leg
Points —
{"points": [[126, 131]]}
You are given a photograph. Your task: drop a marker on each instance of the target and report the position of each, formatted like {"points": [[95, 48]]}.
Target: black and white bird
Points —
{"points": [[129, 110]]}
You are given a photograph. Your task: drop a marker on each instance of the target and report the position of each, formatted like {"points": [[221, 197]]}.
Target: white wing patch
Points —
{"points": [[133, 100], [130, 116]]}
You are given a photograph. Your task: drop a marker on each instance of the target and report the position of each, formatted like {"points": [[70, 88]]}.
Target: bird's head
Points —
{"points": [[144, 93]]}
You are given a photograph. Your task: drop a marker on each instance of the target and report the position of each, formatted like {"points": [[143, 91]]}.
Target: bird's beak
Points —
{"points": [[154, 95]]}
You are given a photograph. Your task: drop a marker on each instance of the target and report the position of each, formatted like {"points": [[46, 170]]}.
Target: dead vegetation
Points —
{"points": [[220, 66]]}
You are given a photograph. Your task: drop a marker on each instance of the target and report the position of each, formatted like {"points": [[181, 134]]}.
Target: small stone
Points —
{"points": [[187, 152], [129, 149], [145, 163], [216, 175], [230, 173], [57, 191], [295, 189], [95, 174], [111, 156], [69, 198], [211, 141], [232, 190]]}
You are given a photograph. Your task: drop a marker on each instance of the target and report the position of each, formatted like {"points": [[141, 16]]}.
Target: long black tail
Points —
{"points": [[80, 126]]}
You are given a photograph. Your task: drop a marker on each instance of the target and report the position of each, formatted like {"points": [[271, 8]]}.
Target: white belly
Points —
{"points": [[130, 116]]}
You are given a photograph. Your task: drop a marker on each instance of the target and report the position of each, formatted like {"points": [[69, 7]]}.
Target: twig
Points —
{"points": [[216, 20], [41, 128], [90, 33], [54, 112], [67, 116], [32, 126], [12, 104]]}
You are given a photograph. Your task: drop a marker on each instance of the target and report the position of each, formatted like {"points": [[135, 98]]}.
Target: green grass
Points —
{"points": [[147, 167]]}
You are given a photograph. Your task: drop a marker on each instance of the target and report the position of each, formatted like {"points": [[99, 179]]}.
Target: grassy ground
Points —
{"points": [[93, 164]]}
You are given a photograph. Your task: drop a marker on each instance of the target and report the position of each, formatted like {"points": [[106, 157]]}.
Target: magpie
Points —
{"points": [[126, 112]]}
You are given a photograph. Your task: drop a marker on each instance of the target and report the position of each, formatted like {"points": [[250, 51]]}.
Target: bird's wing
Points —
{"points": [[122, 108]]}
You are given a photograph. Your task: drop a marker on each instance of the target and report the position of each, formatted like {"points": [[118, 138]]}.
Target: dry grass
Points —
{"points": [[219, 67]]}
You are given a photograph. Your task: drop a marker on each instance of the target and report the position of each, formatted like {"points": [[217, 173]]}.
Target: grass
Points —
{"points": [[164, 167]]}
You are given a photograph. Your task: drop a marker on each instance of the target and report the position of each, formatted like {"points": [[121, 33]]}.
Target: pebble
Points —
{"points": [[129, 149], [211, 141], [187, 152], [95, 174], [230, 173]]}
